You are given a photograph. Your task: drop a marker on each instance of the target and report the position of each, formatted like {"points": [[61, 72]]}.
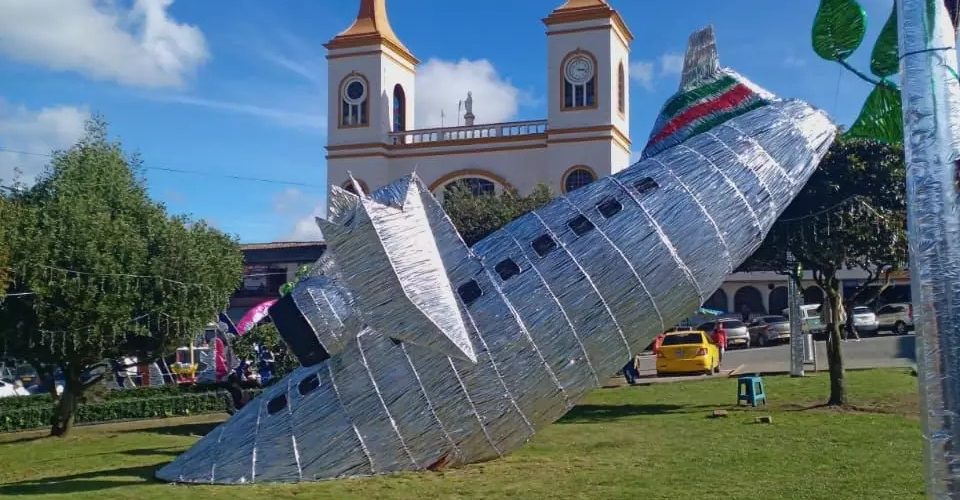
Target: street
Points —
{"points": [[882, 351]]}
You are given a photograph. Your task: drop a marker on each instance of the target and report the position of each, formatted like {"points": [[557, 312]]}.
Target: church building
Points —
{"points": [[585, 136]]}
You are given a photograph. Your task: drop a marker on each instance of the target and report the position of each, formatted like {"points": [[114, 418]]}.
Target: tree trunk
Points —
{"points": [[65, 412], [838, 384]]}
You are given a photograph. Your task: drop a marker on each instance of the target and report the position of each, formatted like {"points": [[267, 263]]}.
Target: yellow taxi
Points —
{"points": [[688, 352]]}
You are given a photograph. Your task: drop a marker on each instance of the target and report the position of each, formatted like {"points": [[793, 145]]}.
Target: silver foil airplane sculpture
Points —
{"points": [[421, 353]]}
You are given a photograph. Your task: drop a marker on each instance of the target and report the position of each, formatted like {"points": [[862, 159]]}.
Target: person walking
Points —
{"points": [[631, 370], [720, 338], [848, 325]]}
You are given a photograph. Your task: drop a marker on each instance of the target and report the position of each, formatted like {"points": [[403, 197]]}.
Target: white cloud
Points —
{"points": [[40, 131], [671, 64], [442, 84], [642, 73], [648, 73], [306, 228], [794, 62], [139, 45], [285, 117], [294, 201]]}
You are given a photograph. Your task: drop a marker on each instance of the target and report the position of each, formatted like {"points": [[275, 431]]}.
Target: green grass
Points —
{"points": [[629, 442]]}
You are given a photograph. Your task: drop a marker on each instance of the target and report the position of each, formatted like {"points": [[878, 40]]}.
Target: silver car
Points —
{"points": [[864, 320], [737, 333], [766, 330]]}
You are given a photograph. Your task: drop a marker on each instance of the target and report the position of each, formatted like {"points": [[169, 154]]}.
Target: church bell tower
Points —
{"points": [[588, 50], [371, 91]]}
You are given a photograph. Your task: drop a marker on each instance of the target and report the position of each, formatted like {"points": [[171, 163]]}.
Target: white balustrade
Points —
{"points": [[486, 131]]}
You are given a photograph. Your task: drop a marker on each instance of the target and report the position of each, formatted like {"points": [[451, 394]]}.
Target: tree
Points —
{"points": [[478, 216], [105, 272], [850, 215], [266, 336], [7, 219]]}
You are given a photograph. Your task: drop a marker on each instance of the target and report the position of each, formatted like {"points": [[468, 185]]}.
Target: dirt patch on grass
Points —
{"points": [[907, 405]]}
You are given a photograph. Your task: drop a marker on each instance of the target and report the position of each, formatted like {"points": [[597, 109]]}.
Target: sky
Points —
{"points": [[234, 90]]}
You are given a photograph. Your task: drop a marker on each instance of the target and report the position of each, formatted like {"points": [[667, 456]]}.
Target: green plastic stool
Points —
{"points": [[750, 390]]}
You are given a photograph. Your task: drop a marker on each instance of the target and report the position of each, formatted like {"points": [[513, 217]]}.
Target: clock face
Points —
{"points": [[579, 70]]}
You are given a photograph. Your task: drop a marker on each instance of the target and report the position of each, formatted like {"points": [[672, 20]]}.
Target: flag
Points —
{"points": [[231, 328]]}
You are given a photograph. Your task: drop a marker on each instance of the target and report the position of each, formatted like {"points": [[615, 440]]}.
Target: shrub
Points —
{"points": [[31, 412]]}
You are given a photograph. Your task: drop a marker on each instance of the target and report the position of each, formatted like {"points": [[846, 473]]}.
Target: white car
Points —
{"points": [[864, 320], [8, 389], [896, 317]]}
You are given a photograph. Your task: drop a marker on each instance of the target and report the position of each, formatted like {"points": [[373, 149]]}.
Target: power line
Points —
{"points": [[190, 172]]}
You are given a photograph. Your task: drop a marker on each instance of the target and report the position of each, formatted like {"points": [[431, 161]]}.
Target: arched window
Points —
{"points": [[476, 185], [576, 178], [354, 102], [579, 81], [349, 186], [621, 90], [399, 109]]}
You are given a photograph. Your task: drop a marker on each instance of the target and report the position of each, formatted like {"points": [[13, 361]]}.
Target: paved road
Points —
{"points": [[873, 352]]}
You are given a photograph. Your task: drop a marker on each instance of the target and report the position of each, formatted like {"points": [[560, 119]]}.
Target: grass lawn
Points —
{"points": [[630, 442]]}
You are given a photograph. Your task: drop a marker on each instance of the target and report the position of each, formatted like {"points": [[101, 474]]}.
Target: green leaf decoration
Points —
{"points": [[885, 59], [838, 29], [881, 118]]}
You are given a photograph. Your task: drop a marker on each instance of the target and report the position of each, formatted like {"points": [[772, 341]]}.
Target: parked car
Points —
{"points": [[895, 317], [810, 319], [8, 389], [864, 320], [737, 333], [766, 330], [688, 352]]}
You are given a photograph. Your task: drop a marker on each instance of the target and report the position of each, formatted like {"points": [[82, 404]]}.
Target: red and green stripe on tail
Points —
{"points": [[702, 108]]}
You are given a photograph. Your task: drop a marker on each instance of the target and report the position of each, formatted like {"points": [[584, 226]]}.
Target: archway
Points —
{"points": [[717, 301], [813, 295], [748, 302], [778, 300]]}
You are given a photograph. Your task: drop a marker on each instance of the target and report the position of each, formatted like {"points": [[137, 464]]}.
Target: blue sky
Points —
{"points": [[238, 87]]}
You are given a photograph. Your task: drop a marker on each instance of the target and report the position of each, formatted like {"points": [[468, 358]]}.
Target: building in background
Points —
{"points": [[585, 136], [266, 267]]}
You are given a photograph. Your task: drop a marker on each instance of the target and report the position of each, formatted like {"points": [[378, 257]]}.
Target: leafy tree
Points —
{"points": [[850, 215], [266, 335], [7, 219], [477, 216], [106, 272]]}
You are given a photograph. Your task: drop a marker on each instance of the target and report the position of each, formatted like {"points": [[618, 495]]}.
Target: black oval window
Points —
{"points": [[609, 208], [544, 245], [308, 385], [580, 225], [507, 269], [276, 404], [646, 185], [469, 292]]}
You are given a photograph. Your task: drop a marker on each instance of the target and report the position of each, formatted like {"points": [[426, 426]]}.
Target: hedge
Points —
{"points": [[13, 403], [119, 407]]}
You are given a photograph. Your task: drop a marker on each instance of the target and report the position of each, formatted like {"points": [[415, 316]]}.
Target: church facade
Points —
{"points": [[585, 136]]}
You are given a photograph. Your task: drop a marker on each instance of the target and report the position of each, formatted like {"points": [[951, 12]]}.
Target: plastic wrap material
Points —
{"points": [[550, 305], [931, 115]]}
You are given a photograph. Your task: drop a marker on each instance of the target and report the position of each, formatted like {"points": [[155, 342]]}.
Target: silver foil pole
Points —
{"points": [[796, 326], [931, 112]]}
